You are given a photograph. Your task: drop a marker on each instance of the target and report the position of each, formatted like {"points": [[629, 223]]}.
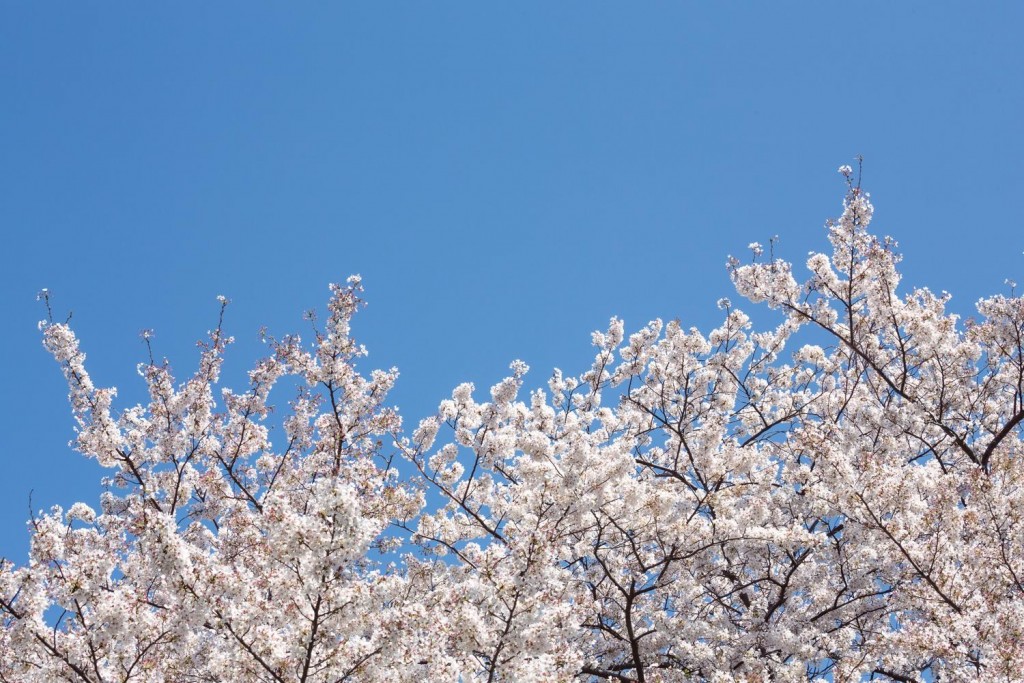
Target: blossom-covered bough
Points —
{"points": [[838, 498]]}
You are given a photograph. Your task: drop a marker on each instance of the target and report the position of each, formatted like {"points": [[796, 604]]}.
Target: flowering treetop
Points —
{"points": [[839, 497]]}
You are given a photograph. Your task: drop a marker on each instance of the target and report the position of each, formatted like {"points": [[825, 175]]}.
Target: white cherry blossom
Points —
{"points": [[838, 497]]}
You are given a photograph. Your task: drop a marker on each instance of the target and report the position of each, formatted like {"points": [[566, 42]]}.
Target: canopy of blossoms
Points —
{"points": [[840, 498]]}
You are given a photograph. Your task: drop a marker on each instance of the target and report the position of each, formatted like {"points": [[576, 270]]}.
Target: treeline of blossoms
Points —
{"points": [[720, 507]]}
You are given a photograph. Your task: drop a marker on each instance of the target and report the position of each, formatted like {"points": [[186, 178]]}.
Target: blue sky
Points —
{"points": [[505, 177]]}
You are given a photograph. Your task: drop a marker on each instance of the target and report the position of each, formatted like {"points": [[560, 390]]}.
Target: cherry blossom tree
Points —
{"points": [[838, 498]]}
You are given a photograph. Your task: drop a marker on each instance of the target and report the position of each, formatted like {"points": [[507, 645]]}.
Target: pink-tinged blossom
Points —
{"points": [[838, 497]]}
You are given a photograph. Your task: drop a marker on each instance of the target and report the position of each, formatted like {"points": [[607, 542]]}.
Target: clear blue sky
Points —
{"points": [[505, 176]]}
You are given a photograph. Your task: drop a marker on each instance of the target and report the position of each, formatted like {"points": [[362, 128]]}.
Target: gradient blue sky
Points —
{"points": [[505, 176]]}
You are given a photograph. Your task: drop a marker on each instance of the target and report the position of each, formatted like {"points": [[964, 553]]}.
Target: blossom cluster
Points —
{"points": [[838, 498]]}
